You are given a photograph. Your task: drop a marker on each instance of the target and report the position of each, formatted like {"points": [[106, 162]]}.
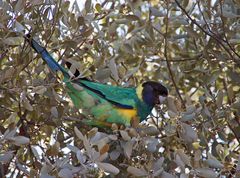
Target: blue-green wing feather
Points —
{"points": [[119, 96]]}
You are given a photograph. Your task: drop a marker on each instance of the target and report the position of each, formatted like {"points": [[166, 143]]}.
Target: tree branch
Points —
{"points": [[167, 60], [208, 33]]}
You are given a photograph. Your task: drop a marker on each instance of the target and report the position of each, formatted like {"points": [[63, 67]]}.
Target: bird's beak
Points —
{"points": [[162, 99]]}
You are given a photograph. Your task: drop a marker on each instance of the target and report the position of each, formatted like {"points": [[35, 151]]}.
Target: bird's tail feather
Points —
{"points": [[52, 63]]}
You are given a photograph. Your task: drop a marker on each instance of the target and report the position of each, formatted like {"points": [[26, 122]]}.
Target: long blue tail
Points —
{"points": [[53, 65]]}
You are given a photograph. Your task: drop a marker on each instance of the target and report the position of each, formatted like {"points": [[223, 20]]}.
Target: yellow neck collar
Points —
{"points": [[139, 90]]}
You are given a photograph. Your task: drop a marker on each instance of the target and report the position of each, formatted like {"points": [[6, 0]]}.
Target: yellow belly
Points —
{"points": [[129, 114]]}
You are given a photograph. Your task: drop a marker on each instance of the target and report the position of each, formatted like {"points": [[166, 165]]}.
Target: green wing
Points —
{"points": [[121, 97], [107, 104]]}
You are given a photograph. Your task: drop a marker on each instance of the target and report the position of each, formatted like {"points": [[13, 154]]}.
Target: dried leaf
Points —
{"points": [[104, 149]]}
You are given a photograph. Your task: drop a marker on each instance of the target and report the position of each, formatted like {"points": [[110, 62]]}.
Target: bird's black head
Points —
{"points": [[153, 93]]}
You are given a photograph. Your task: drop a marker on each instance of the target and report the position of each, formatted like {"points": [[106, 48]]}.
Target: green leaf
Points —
{"points": [[98, 7]]}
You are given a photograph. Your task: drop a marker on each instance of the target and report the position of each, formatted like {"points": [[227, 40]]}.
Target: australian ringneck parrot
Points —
{"points": [[106, 104]]}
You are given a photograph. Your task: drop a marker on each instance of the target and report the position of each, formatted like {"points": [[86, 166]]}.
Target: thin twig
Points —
{"points": [[186, 59], [204, 19], [3, 54], [207, 33], [2, 170], [10, 110], [54, 22], [229, 102], [223, 28], [166, 57]]}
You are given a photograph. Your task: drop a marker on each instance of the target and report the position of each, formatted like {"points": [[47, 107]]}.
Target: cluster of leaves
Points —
{"points": [[192, 47]]}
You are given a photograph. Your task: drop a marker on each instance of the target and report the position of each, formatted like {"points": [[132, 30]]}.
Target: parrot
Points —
{"points": [[106, 104]]}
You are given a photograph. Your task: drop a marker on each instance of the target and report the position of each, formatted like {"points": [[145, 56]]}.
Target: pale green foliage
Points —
{"points": [[193, 48]]}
